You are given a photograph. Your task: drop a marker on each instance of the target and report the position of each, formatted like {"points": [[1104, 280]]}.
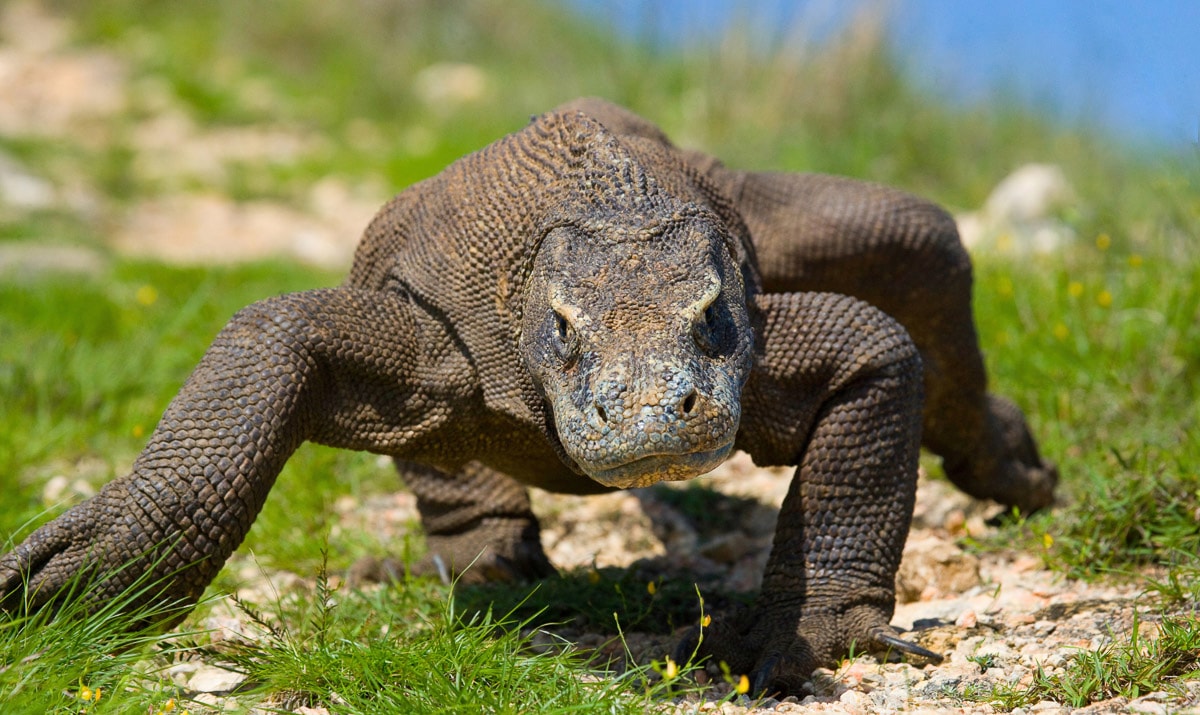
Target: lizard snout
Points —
{"points": [[647, 419], [673, 399]]}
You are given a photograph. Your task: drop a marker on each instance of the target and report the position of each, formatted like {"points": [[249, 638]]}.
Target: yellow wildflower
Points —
{"points": [[1135, 260], [1074, 289], [1047, 540], [651, 588], [1103, 241], [671, 671], [147, 295], [743, 685], [706, 621], [593, 576], [1104, 299], [1061, 331]]}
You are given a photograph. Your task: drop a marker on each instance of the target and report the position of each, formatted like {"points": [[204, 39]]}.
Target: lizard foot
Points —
{"points": [[55, 562], [496, 549], [779, 660], [1010, 471], [83, 556]]}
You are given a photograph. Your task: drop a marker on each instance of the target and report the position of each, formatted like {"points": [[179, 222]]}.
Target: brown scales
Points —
{"points": [[582, 306]]}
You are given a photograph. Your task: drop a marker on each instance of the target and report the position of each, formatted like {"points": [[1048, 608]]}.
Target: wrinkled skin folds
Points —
{"points": [[582, 306]]}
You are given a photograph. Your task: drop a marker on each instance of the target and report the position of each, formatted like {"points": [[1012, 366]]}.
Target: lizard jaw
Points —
{"points": [[653, 468]]}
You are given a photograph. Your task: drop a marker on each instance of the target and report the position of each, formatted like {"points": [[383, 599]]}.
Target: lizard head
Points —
{"points": [[636, 331]]}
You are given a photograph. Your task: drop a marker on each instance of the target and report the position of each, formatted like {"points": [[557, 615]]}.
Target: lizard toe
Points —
{"points": [[781, 674], [52, 566], [779, 660], [776, 661]]}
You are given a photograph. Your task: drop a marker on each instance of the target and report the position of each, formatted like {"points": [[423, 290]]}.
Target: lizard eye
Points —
{"points": [[566, 343], [704, 330]]}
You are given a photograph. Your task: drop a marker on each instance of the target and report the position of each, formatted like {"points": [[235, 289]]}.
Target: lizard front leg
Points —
{"points": [[836, 390], [339, 366]]}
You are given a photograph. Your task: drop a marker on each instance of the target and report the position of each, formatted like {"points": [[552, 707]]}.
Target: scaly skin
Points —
{"points": [[581, 306]]}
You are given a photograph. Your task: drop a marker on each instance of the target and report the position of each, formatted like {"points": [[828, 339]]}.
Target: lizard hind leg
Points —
{"points": [[1008, 468], [478, 523], [903, 255]]}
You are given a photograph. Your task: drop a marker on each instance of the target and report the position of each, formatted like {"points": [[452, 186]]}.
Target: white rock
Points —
{"points": [[27, 259], [449, 85], [1021, 216], [21, 189], [856, 702], [26, 25], [1031, 193], [61, 488], [210, 228], [211, 679]]}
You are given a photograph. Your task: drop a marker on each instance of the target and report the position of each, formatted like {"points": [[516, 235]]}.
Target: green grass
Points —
{"points": [[1102, 346], [1100, 343], [403, 649], [82, 659], [1129, 667], [408, 649], [606, 601]]}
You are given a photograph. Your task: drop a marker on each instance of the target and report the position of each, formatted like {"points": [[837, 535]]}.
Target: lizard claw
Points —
{"points": [[44, 568], [688, 646], [774, 660], [764, 674], [889, 640]]}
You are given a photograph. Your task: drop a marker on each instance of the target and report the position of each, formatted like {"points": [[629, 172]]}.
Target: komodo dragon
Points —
{"points": [[580, 307]]}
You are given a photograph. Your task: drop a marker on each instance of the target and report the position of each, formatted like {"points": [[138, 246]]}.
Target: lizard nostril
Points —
{"points": [[601, 413], [689, 403]]}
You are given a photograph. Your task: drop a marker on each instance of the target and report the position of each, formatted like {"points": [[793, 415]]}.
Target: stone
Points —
{"points": [[1021, 216], [932, 568], [21, 190], [211, 679]]}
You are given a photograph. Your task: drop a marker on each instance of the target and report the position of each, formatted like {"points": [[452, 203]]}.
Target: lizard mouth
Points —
{"points": [[653, 468]]}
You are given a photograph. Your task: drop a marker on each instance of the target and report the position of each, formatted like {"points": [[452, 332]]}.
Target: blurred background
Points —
{"points": [[228, 130], [1129, 68]]}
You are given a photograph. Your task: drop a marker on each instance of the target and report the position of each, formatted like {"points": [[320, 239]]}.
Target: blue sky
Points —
{"points": [[1131, 66]]}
